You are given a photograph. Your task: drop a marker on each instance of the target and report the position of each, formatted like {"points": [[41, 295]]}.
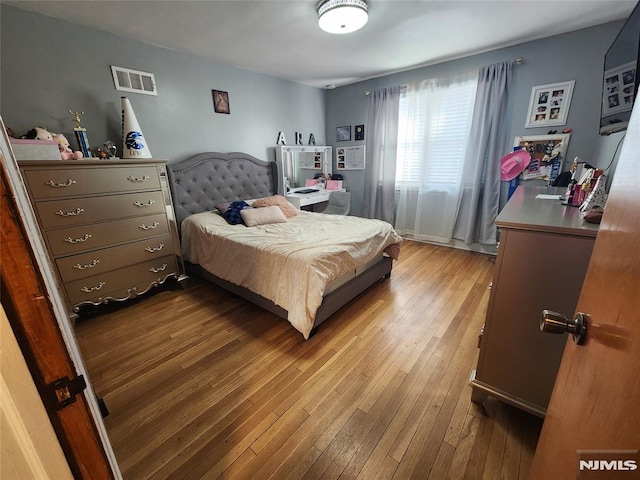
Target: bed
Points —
{"points": [[303, 269]]}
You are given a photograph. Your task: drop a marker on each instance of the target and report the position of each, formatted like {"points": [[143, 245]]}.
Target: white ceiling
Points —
{"points": [[282, 38]]}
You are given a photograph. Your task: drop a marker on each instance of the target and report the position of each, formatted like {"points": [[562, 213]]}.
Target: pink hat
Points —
{"points": [[513, 164]]}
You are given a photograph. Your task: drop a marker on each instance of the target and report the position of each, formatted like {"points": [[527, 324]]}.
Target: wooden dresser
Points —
{"points": [[108, 225], [544, 252]]}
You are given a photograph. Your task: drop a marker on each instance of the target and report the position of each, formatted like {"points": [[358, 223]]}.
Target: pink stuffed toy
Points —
{"points": [[65, 150]]}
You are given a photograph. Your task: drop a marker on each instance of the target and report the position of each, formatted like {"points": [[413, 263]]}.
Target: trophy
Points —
{"points": [[81, 135]]}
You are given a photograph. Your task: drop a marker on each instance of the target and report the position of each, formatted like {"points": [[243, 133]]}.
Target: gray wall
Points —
{"points": [[575, 56], [50, 66]]}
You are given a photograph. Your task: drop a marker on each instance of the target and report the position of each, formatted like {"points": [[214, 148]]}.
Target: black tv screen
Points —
{"points": [[620, 80]]}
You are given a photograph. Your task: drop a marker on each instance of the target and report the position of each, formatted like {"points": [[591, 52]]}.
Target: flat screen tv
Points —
{"points": [[620, 80]]}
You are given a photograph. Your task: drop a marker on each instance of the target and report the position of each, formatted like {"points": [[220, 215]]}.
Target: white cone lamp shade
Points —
{"points": [[134, 145], [342, 16]]}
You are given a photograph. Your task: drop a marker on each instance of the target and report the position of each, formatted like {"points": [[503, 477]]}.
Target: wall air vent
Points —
{"points": [[129, 80]]}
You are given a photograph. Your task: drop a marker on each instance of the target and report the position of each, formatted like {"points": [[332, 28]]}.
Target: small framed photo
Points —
{"points": [[343, 134], [359, 132], [549, 104], [619, 84], [220, 101]]}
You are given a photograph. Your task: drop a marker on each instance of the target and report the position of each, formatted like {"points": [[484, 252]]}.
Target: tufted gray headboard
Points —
{"points": [[204, 180]]}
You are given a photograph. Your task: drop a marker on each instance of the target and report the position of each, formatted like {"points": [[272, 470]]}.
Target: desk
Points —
{"points": [[544, 252], [300, 200]]}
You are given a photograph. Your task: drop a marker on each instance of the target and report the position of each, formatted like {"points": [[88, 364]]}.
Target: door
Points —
{"points": [[595, 400], [32, 304]]}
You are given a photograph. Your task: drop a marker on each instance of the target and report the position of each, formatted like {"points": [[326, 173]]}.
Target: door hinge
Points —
{"points": [[64, 390]]}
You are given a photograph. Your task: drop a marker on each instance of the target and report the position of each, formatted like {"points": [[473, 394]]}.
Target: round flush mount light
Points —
{"points": [[342, 16]]}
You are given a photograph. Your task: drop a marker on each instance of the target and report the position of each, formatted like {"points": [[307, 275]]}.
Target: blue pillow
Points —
{"points": [[232, 214]]}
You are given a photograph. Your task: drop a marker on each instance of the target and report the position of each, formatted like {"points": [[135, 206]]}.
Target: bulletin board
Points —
{"points": [[350, 158], [548, 153]]}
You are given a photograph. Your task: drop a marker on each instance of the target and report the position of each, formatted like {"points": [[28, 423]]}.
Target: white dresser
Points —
{"points": [[108, 225]]}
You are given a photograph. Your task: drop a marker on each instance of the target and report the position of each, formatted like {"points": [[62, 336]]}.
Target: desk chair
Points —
{"points": [[339, 203]]}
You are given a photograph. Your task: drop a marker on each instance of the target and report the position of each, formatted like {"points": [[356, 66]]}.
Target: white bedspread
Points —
{"points": [[289, 263]]}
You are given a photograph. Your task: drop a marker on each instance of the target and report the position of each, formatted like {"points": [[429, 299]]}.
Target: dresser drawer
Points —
{"points": [[67, 182], [62, 213], [121, 284], [87, 264], [66, 241]]}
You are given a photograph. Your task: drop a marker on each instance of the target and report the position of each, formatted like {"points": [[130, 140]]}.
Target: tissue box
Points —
{"points": [[24, 149]]}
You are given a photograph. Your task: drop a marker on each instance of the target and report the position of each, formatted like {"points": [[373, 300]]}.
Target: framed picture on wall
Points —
{"points": [[359, 135], [220, 101], [619, 85], [343, 134], [549, 104], [350, 158]]}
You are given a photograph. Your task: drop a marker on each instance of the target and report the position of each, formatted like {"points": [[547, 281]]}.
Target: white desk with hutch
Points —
{"points": [[299, 163]]}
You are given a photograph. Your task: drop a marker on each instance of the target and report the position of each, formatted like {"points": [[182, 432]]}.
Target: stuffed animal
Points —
{"points": [[65, 150], [38, 133]]}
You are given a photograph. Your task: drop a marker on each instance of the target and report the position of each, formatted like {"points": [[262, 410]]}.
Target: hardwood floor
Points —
{"points": [[200, 384]]}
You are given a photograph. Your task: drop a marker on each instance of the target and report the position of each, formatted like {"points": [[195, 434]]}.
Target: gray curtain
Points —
{"points": [[381, 151], [475, 221]]}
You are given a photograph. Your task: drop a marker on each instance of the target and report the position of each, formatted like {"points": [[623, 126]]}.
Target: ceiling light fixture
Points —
{"points": [[342, 16]]}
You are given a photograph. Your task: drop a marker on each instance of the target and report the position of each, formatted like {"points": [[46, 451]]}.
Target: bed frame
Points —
{"points": [[204, 180]]}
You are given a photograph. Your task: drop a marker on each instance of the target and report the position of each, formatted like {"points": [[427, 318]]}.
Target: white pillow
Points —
{"points": [[262, 216]]}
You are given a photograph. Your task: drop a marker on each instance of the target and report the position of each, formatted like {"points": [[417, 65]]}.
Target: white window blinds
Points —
{"points": [[434, 121]]}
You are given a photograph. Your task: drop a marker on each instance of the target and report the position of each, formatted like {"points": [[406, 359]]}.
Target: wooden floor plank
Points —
{"points": [[205, 385]]}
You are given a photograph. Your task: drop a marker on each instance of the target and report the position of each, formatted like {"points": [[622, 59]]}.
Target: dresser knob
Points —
{"points": [[84, 238], [158, 269], [53, 184], [138, 179], [92, 264], [148, 227], [93, 289], [155, 249], [77, 211]]}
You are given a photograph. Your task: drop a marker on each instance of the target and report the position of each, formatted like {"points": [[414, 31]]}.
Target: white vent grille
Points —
{"points": [[129, 80]]}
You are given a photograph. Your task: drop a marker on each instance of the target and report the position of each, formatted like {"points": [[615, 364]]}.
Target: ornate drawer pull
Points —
{"points": [[78, 240], [155, 249], [93, 289], [149, 227], [146, 204], [143, 178], [87, 265], [78, 211], [53, 184], [160, 269]]}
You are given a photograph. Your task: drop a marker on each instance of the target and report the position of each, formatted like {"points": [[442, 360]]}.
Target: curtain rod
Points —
{"points": [[517, 61]]}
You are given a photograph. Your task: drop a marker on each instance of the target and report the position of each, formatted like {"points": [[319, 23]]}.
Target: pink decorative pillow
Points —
{"points": [[279, 201], [333, 185], [310, 182], [262, 216]]}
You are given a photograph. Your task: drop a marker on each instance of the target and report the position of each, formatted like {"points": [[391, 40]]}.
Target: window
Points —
{"points": [[433, 126]]}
